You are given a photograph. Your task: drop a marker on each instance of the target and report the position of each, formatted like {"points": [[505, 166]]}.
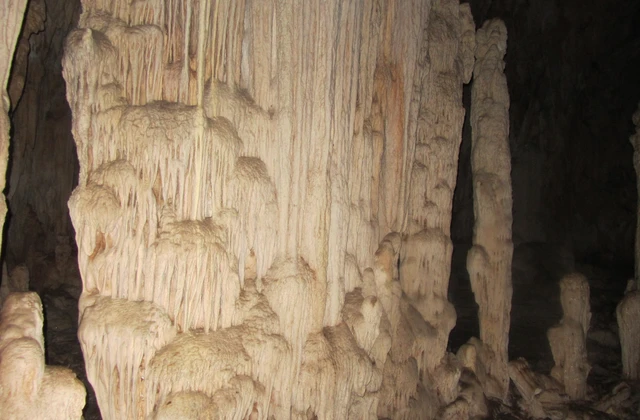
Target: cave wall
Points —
{"points": [[43, 169], [14, 14]]}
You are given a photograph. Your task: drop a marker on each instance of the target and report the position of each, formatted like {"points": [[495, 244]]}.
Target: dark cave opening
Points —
{"points": [[460, 293]]}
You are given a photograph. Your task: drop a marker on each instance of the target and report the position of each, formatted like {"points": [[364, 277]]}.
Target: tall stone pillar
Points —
{"points": [[426, 252], [489, 260], [246, 180]]}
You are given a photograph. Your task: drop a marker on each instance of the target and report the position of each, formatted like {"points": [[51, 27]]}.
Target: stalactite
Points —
{"points": [[489, 260]]}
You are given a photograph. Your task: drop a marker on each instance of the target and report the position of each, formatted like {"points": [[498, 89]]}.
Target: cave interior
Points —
{"points": [[338, 78]]}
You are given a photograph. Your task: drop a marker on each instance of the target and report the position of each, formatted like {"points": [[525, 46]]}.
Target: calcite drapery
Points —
{"points": [[265, 194], [489, 260]]}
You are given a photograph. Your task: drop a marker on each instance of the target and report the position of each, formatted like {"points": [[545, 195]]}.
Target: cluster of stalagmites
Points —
{"points": [[28, 388], [264, 204]]}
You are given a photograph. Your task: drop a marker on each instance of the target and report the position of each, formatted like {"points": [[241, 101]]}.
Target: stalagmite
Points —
{"points": [[28, 388], [568, 340], [264, 204], [489, 260], [628, 311]]}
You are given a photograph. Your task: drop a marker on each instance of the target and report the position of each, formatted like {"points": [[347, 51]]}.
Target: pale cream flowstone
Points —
{"points": [[489, 260], [568, 339], [28, 388], [264, 204], [117, 332]]}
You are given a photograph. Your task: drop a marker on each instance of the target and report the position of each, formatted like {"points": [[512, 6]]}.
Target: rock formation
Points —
{"points": [[542, 395], [568, 340], [489, 260], [426, 252], [28, 388], [264, 204]]}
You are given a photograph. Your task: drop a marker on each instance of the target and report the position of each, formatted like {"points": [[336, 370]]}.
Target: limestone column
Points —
{"points": [[489, 260], [245, 179], [425, 263]]}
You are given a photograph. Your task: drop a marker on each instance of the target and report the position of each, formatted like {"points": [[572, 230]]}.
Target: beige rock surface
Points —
{"points": [[264, 203], [28, 388], [489, 260]]}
